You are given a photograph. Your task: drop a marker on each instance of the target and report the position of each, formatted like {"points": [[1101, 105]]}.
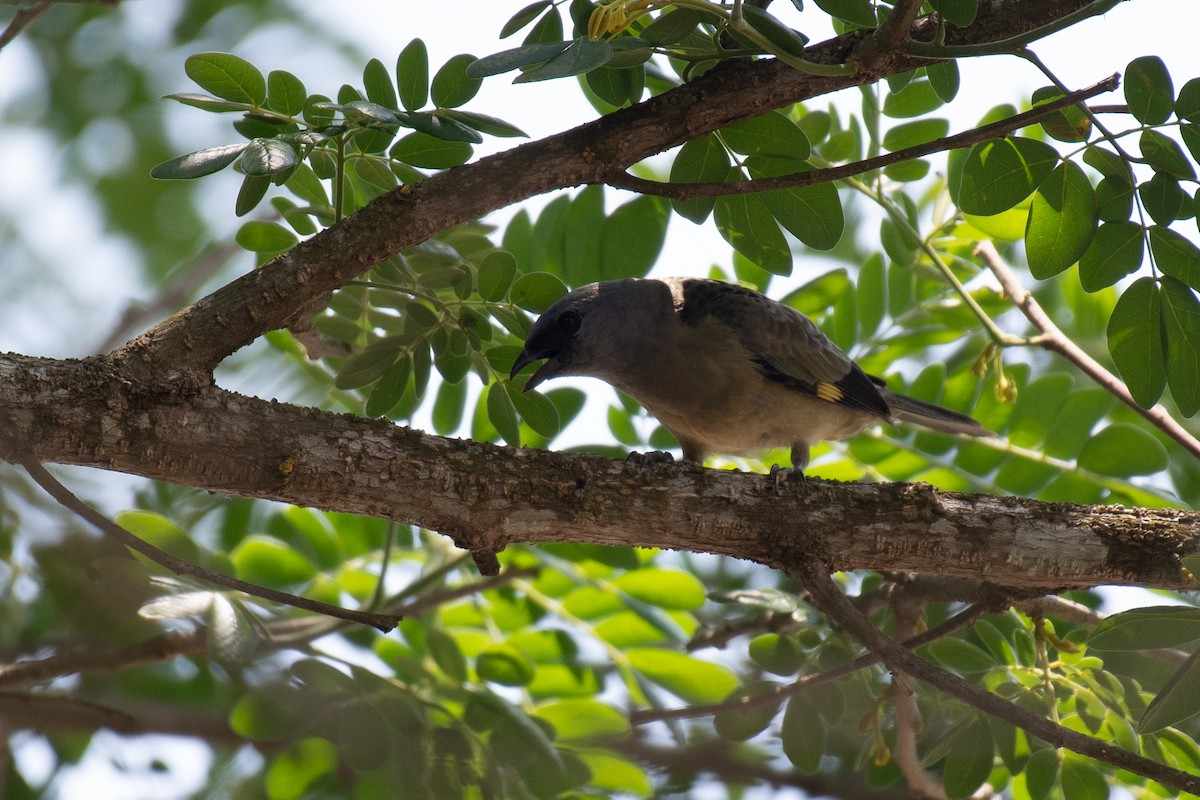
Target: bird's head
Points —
{"points": [[588, 331]]}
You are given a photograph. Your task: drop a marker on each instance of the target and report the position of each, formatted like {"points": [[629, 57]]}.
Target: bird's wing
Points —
{"points": [[788, 347]]}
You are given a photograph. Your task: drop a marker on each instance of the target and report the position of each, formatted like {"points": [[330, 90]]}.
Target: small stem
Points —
{"points": [[1054, 340]]}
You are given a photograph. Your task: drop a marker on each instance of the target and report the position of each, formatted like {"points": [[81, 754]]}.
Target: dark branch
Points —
{"points": [[995, 130], [898, 658]]}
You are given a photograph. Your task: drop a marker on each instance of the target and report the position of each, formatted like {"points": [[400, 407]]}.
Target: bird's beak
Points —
{"points": [[544, 372]]}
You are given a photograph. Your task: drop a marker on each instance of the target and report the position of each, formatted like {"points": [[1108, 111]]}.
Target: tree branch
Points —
{"points": [[179, 566], [1053, 339], [995, 130], [898, 658], [485, 497]]}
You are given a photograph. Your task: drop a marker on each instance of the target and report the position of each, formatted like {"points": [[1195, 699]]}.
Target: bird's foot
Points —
{"points": [[651, 457], [780, 475]]}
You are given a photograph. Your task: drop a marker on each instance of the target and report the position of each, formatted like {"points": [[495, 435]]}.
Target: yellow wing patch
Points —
{"points": [[829, 392]]}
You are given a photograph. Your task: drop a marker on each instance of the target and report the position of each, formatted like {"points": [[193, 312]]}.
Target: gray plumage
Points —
{"points": [[725, 369]]}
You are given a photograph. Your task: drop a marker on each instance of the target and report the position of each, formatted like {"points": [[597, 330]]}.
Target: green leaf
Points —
{"points": [[1062, 221], [780, 37], [1187, 105], [446, 653], [496, 273], [448, 407], [909, 134], [777, 654], [422, 150], [1175, 255], [206, 102], [583, 718], [960, 655], [371, 178], [740, 724], [802, 734], [200, 163], [516, 58], [744, 221], [412, 75], [701, 160], [1082, 780], [523, 17], [1042, 773], [997, 175], [969, 761], [285, 93], [672, 26], [261, 236], [856, 12], [580, 56], [1116, 251], [1181, 320], [160, 532], [915, 100], [1148, 90], [493, 126], [368, 365], [1162, 197], [1123, 449], [453, 85], [228, 77], [1109, 164], [1066, 125], [504, 664], [1115, 199], [378, 83], [1148, 628], [957, 12], [1164, 155], [267, 561], [295, 769], [254, 189], [267, 157], [443, 125], [943, 76], [1136, 341], [537, 291], [665, 588], [538, 411], [502, 413], [692, 680], [632, 237], [770, 134], [390, 389]]}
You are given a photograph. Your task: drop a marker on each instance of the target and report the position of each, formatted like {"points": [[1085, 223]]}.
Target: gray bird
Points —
{"points": [[725, 369]]}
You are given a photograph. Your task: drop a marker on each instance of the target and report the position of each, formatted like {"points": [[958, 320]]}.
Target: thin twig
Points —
{"points": [[384, 622], [963, 619], [23, 19], [1053, 339], [898, 658], [996, 130]]}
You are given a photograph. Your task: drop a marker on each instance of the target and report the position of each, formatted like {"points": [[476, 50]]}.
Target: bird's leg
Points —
{"points": [[780, 474]]}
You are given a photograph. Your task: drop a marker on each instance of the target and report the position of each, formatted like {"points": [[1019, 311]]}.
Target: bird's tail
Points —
{"points": [[931, 416]]}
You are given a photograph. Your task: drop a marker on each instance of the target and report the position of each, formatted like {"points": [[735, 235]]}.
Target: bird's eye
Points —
{"points": [[568, 322]]}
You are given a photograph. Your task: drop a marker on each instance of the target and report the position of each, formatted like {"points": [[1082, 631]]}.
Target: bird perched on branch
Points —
{"points": [[725, 369]]}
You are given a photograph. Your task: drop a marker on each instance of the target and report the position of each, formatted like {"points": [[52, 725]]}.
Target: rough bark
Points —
{"points": [[486, 496]]}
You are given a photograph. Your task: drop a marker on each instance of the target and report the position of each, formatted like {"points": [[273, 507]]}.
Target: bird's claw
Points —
{"points": [[779, 475], [651, 457]]}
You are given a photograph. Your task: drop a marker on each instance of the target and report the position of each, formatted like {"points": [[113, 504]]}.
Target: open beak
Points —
{"points": [[544, 372]]}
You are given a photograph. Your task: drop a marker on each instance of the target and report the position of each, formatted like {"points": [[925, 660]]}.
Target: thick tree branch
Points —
{"points": [[899, 658], [485, 497], [184, 349]]}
